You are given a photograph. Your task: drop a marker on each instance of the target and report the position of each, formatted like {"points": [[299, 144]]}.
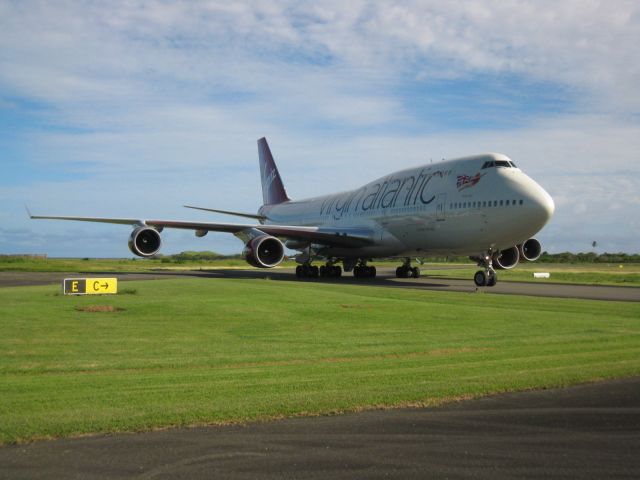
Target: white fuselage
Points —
{"points": [[462, 206]]}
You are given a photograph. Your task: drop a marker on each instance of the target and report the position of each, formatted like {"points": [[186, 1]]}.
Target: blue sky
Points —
{"points": [[134, 109]]}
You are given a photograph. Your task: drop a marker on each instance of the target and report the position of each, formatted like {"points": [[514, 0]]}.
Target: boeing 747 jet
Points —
{"points": [[481, 206]]}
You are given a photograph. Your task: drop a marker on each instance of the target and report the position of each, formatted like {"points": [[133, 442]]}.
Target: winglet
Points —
{"points": [[273, 191], [28, 211]]}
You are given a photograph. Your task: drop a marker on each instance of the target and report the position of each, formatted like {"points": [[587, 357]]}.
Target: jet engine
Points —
{"points": [[264, 251], [145, 241], [530, 250], [506, 259]]}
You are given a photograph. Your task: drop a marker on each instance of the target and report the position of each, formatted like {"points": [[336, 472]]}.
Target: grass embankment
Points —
{"points": [[200, 351]]}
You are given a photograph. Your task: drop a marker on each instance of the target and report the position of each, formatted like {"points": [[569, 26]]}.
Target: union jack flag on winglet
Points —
{"points": [[465, 181]]}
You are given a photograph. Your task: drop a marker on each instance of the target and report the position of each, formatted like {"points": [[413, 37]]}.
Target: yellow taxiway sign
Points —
{"points": [[90, 286]]}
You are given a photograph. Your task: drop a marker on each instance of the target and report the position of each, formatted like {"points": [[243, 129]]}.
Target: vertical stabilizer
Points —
{"points": [[272, 188]]}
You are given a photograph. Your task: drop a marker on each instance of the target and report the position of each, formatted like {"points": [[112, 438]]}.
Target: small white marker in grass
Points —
{"points": [[541, 274]]}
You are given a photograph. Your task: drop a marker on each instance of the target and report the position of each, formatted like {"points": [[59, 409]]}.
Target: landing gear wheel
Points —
{"points": [[404, 272], [363, 271], [307, 271], [480, 278], [492, 280], [330, 271], [415, 272]]}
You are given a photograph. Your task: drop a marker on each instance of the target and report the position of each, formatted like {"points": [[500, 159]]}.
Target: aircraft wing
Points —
{"points": [[331, 236]]}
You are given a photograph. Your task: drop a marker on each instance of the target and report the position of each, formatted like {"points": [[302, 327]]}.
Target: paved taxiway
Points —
{"points": [[588, 431], [386, 278]]}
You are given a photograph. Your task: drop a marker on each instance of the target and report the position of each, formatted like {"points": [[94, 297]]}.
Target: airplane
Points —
{"points": [[480, 206]]}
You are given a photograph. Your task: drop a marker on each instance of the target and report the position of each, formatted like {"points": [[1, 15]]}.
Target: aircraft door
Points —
{"points": [[440, 206]]}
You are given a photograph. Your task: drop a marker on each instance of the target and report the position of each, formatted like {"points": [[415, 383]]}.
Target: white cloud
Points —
{"points": [[160, 103]]}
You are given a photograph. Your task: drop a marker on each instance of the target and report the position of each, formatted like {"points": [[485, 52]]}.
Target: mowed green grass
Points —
{"points": [[97, 265], [202, 351], [579, 274]]}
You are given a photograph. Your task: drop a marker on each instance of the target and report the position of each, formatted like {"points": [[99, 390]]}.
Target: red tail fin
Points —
{"points": [[272, 188]]}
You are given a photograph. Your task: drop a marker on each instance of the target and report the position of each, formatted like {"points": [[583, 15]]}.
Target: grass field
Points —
{"points": [[203, 351], [584, 273], [109, 264]]}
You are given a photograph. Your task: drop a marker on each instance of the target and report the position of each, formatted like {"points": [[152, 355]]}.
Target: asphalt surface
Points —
{"points": [[386, 278], [588, 431]]}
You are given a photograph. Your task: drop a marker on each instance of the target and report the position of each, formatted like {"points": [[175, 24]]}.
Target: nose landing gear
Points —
{"points": [[488, 276]]}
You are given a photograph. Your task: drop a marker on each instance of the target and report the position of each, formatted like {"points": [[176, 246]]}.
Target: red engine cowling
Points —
{"points": [[145, 241], [530, 250], [264, 252], [507, 259]]}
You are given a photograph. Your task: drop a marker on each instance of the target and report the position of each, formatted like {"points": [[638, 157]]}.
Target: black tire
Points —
{"points": [[357, 272], [324, 272], [337, 271], [415, 272], [492, 280], [314, 271], [403, 272], [299, 271], [371, 272], [480, 278]]}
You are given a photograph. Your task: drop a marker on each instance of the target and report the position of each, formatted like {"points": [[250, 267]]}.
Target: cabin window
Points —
{"points": [[521, 202]]}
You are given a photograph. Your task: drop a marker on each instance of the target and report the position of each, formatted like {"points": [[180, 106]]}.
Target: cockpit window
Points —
{"points": [[498, 163]]}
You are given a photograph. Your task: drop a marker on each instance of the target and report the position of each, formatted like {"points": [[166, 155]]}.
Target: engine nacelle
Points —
{"points": [[507, 259], [145, 241], [264, 251], [530, 250]]}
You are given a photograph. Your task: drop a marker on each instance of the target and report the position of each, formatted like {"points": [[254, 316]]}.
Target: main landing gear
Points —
{"points": [[364, 271], [486, 277], [307, 270], [330, 271], [407, 271]]}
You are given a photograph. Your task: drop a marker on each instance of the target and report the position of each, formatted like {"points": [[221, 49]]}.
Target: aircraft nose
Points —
{"points": [[544, 205]]}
